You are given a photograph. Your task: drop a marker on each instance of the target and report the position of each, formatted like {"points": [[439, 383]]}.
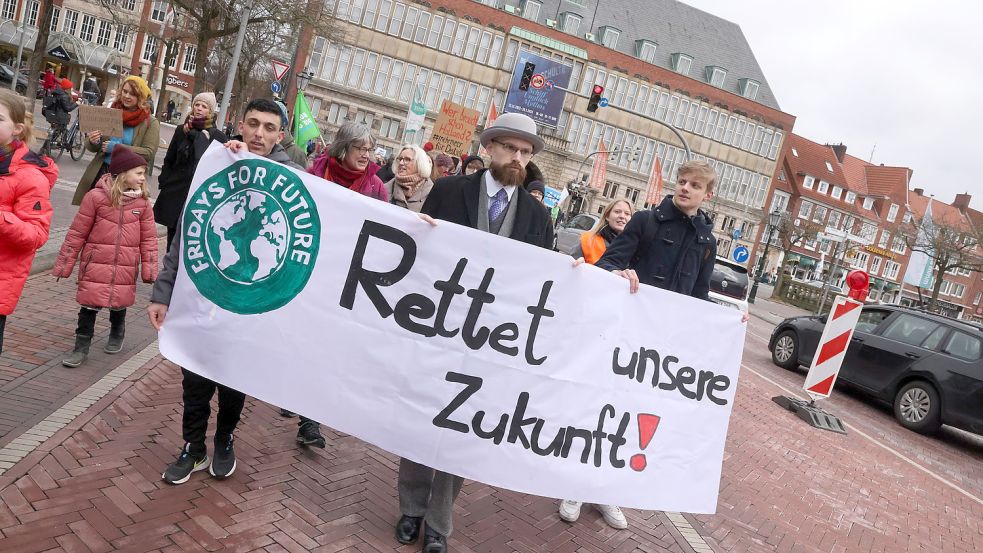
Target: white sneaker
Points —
{"points": [[613, 516], [570, 510]]}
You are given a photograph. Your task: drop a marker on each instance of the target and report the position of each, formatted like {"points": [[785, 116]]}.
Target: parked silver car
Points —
{"points": [[568, 235]]}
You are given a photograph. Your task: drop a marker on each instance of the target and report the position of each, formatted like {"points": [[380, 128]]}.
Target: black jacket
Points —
{"points": [[679, 256], [455, 199], [180, 163], [59, 106]]}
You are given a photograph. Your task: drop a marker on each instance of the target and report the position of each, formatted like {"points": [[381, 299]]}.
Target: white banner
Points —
{"points": [[471, 353]]}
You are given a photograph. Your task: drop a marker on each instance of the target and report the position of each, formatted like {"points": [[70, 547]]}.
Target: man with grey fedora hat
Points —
{"points": [[492, 200]]}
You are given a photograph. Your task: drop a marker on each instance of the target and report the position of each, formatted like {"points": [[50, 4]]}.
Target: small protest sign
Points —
{"points": [[455, 128], [108, 121]]}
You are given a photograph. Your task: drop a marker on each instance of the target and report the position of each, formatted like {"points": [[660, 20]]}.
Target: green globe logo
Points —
{"points": [[251, 237]]}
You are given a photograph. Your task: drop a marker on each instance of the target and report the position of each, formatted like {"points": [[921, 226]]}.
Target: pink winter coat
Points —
{"points": [[25, 219], [113, 242]]}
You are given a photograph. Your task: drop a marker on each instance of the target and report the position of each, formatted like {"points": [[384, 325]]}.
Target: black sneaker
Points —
{"points": [[224, 463], [188, 462], [309, 434]]}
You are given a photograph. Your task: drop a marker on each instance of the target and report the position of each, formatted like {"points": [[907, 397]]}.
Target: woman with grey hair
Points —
{"points": [[348, 162], [412, 183]]}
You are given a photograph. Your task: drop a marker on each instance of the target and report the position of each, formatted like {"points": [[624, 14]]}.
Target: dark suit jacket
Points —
{"points": [[455, 199]]}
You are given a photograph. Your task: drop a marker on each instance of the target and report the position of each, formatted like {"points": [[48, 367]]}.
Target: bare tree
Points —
{"points": [[792, 232], [951, 243], [37, 55]]}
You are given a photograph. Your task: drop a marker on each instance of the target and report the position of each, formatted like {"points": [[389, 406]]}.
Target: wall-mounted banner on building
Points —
{"points": [[544, 103], [455, 128], [438, 344]]}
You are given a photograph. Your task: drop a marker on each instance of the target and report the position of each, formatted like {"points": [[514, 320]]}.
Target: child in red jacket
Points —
{"points": [[26, 180], [114, 232]]}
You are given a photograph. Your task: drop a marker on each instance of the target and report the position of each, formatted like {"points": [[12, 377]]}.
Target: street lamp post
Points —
{"points": [[304, 78], [773, 219]]}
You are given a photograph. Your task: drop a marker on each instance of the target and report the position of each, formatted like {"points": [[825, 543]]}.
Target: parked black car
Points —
{"points": [[7, 74], [928, 366]]}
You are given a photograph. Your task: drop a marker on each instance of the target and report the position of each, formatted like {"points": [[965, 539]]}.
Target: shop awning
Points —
{"points": [[807, 262], [791, 258]]}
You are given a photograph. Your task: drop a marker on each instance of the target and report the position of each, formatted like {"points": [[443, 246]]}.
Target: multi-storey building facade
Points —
{"points": [[688, 68], [830, 195], [104, 40]]}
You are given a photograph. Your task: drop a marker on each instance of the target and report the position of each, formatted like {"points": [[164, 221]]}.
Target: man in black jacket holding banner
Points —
{"points": [[492, 200]]}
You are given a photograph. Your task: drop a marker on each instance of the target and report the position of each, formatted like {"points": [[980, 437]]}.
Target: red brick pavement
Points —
{"points": [[40, 332], [95, 486]]}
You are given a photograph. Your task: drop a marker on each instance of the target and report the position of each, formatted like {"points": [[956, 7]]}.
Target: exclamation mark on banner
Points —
{"points": [[647, 425]]}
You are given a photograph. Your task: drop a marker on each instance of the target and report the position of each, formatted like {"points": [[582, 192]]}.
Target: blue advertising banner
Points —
{"points": [[542, 101]]}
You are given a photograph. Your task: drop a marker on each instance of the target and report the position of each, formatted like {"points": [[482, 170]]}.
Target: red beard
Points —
{"points": [[512, 174]]}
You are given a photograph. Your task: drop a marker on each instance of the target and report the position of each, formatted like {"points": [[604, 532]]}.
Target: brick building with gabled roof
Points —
{"points": [[820, 185]]}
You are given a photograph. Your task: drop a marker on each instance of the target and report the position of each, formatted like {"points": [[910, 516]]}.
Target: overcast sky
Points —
{"points": [[901, 78]]}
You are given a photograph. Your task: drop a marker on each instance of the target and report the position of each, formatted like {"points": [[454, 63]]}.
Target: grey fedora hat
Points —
{"points": [[516, 125]]}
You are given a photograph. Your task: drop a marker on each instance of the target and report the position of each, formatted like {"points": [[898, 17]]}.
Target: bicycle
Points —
{"points": [[61, 139]]}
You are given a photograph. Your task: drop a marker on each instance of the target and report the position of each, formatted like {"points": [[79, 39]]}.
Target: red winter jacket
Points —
{"points": [[113, 241], [25, 218]]}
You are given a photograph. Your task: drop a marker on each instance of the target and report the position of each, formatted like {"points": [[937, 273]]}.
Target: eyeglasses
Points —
{"points": [[404, 159], [512, 149], [363, 151]]}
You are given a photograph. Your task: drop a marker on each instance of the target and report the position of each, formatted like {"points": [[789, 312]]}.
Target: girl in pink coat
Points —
{"points": [[113, 234], [26, 180]]}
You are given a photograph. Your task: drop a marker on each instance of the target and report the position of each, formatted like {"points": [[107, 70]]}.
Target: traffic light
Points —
{"points": [[595, 97], [527, 72]]}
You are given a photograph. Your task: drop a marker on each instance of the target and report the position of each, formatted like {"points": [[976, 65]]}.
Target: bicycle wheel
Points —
{"points": [[75, 147], [56, 143]]}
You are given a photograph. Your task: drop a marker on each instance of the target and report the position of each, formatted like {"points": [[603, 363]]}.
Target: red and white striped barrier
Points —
{"points": [[836, 337]]}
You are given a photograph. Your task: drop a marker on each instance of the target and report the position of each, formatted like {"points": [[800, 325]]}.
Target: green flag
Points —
{"points": [[305, 128]]}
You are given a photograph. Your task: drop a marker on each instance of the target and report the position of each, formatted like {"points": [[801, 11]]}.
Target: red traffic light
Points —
{"points": [[595, 98]]}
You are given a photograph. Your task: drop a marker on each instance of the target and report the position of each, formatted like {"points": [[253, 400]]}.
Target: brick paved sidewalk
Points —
{"points": [[95, 486]]}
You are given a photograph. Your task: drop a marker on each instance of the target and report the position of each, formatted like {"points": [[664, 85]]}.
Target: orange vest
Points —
{"points": [[593, 247]]}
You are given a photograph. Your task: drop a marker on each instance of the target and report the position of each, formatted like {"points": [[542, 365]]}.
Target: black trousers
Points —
{"points": [[3, 323], [198, 392]]}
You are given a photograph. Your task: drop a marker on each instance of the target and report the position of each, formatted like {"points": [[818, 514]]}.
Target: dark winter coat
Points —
{"points": [[680, 256], [455, 199], [180, 162], [59, 106], [113, 245]]}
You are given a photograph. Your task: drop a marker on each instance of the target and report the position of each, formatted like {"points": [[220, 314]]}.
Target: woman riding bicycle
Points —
{"points": [[58, 106]]}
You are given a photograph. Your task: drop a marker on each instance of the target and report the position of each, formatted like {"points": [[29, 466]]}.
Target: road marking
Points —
{"points": [[875, 441]]}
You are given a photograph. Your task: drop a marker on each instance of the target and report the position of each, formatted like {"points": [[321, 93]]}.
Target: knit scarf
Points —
{"points": [[131, 118], [336, 172], [409, 183], [199, 123], [7, 155]]}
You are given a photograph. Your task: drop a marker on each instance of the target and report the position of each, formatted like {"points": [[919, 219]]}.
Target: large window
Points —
{"points": [[122, 35], [105, 32], [71, 21], [55, 16], [158, 11], [9, 9], [189, 65], [149, 47], [32, 14], [749, 88], [892, 213], [87, 28], [530, 10]]}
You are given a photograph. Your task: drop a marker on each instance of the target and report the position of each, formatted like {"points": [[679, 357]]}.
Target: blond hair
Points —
{"points": [[700, 168], [603, 222], [17, 107], [119, 184]]}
